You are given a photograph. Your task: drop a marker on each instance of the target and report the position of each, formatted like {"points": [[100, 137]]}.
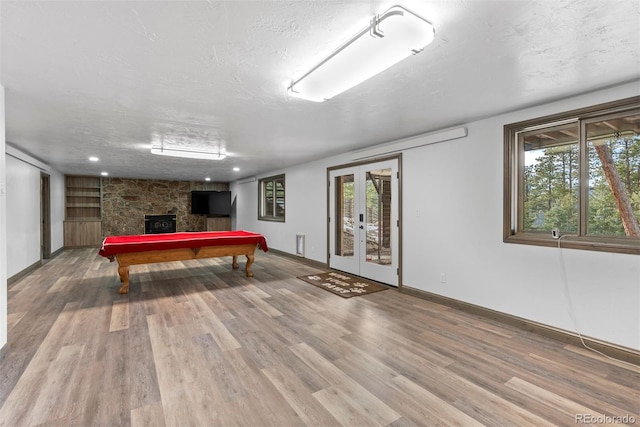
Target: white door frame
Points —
{"points": [[334, 261]]}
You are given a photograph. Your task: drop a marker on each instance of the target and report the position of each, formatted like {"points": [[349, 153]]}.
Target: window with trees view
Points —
{"points": [[579, 173], [271, 198]]}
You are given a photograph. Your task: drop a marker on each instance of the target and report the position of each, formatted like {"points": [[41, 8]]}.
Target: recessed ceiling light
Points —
{"points": [[104, 173], [93, 159], [236, 169]]}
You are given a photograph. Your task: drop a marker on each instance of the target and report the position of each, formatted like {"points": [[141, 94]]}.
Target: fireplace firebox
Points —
{"points": [[156, 224]]}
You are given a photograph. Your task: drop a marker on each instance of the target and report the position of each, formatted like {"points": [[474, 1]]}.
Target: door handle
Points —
{"points": [[362, 227]]}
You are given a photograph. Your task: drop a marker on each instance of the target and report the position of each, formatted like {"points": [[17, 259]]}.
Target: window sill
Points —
{"points": [[271, 219], [600, 244]]}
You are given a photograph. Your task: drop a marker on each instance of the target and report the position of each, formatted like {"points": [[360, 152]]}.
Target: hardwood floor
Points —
{"points": [[196, 343]]}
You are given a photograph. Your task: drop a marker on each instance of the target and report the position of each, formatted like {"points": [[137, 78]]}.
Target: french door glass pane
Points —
{"points": [[378, 216], [551, 179], [614, 176], [345, 215]]}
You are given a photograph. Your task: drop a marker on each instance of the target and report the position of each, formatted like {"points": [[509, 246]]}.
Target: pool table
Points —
{"points": [[152, 248]]}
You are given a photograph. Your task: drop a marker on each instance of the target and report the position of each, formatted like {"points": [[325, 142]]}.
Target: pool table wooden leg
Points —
{"points": [[124, 278], [235, 262], [247, 268]]}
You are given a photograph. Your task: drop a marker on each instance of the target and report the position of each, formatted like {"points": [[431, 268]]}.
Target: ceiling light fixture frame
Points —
{"points": [[388, 39]]}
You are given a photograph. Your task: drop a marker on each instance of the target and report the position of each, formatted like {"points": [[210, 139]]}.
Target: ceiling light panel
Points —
{"points": [[189, 148], [390, 38]]}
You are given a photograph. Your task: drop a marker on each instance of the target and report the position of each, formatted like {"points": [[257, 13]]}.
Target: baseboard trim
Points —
{"points": [[303, 260], [19, 275], [30, 269], [56, 253], [625, 354]]}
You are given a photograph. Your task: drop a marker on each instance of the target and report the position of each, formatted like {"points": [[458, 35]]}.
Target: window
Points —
{"points": [[576, 172], [271, 198]]}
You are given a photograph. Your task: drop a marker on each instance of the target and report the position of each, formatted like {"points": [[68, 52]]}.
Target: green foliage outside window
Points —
{"points": [[551, 190], [552, 187]]}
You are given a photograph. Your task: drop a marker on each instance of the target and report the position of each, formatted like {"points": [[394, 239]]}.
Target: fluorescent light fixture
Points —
{"points": [[15, 153], [93, 159], [236, 169], [389, 38], [247, 180], [408, 143], [165, 148], [104, 173]]}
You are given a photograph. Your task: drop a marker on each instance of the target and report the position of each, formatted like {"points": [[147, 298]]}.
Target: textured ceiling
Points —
{"points": [[103, 78]]}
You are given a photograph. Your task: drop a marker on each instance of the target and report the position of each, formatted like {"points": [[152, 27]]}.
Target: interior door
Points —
{"points": [[45, 216], [364, 226]]}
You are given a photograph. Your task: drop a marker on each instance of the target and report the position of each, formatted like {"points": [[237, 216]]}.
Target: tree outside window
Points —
{"points": [[614, 176]]}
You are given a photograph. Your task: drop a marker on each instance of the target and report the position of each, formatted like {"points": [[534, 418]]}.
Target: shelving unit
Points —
{"points": [[83, 211]]}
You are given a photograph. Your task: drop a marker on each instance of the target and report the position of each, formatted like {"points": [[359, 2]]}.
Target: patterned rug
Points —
{"points": [[343, 284]]}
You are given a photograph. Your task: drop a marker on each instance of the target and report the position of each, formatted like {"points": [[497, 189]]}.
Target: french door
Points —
{"points": [[363, 220]]}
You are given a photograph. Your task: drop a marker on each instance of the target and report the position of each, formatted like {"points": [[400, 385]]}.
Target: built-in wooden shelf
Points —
{"points": [[83, 211]]}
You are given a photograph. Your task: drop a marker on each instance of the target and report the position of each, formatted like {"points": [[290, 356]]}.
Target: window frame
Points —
{"points": [[514, 165], [262, 201]]}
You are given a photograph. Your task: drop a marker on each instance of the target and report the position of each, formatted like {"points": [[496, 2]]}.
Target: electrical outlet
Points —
{"points": [[443, 278], [555, 233]]}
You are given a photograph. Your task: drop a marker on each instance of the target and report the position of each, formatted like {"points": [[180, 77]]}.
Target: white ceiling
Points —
{"points": [[100, 78]]}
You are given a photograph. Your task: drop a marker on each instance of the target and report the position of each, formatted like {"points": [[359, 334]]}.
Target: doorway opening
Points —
{"points": [[45, 217]]}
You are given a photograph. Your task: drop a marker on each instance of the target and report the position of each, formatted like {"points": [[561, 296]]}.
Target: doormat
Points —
{"points": [[343, 284]]}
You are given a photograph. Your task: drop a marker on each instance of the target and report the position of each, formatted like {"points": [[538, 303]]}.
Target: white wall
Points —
{"points": [[23, 175], [452, 219], [3, 228], [23, 215]]}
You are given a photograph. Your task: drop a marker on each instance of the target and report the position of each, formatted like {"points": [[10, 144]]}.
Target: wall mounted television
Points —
{"points": [[211, 203]]}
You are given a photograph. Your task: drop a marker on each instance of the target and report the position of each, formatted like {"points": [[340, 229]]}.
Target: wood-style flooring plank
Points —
{"points": [[148, 415], [422, 406], [119, 315], [547, 398], [299, 396]]}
